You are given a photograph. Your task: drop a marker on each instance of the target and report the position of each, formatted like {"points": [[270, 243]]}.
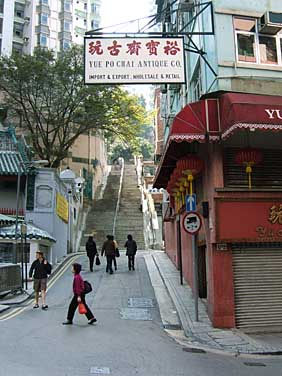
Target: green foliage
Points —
{"points": [[54, 106]]}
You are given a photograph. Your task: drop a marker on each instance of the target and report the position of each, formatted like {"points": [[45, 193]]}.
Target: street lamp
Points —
{"points": [[23, 235]]}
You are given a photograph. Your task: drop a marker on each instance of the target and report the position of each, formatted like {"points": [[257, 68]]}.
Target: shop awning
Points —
{"points": [[6, 220], [33, 233], [196, 122], [249, 111], [11, 163]]}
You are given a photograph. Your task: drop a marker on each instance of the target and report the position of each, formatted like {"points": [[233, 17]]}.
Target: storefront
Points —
{"points": [[237, 138]]}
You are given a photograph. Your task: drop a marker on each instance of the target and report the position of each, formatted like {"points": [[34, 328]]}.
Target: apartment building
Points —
{"points": [[54, 24]]}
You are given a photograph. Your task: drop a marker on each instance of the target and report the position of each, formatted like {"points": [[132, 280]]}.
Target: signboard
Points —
{"points": [[249, 221], [62, 207], [191, 202], [192, 223], [124, 60]]}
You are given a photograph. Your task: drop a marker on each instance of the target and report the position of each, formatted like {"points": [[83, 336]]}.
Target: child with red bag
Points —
{"points": [[78, 299]]}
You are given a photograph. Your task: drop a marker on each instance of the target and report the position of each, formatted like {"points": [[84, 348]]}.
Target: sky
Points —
{"points": [[114, 12]]}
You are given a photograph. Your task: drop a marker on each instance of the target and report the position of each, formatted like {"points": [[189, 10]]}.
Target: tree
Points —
{"points": [[54, 106]]}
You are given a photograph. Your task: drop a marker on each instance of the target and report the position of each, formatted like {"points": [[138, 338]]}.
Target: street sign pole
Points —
{"points": [[196, 280], [192, 223]]}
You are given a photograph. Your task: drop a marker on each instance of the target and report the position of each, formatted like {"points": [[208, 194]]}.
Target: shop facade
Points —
{"points": [[226, 150]]}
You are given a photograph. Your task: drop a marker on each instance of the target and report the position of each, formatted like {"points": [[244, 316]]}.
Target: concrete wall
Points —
{"points": [[47, 184]]}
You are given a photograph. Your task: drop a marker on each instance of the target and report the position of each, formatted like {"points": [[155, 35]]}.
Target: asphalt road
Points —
{"points": [[34, 343]]}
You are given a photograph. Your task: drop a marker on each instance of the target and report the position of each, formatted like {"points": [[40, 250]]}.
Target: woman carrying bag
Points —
{"points": [[78, 298]]}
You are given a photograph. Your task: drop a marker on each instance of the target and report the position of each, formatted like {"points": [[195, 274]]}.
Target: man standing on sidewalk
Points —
{"points": [[109, 249], [39, 270]]}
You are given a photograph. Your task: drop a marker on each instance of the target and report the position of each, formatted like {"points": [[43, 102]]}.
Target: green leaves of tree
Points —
{"points": [[54, 106]]}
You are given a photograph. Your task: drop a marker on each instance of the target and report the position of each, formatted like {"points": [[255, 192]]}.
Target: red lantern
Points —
{"points": [[190, 165], [248, 157]]}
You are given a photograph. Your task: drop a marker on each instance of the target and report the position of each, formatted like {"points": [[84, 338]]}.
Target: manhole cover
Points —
{"points": [[100, 370], [141, 303], [136, 314]]}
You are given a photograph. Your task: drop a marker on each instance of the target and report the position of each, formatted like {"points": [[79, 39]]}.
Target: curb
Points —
{"points": [[187, 338], [30, 293]]}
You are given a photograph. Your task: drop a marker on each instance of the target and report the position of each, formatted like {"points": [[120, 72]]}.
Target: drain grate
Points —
{"points": [[252, 364], [172, 326], [136, 314], [194, 350], [141, 303]]}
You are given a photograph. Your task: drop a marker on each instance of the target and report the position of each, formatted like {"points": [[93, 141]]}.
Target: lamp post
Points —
{"points": [[23, 235], [19, 166]]}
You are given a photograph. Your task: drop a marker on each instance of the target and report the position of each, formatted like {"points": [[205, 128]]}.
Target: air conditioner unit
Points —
{"points": [[270, 23], [27, 19], [185, 5]]}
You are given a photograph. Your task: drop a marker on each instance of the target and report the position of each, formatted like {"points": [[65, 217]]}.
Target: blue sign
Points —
{"points": [[191, 202]]}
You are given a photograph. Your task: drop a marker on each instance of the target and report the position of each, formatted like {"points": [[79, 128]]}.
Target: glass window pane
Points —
{"points": [[245, 24], [267, 49], [246, 48]]}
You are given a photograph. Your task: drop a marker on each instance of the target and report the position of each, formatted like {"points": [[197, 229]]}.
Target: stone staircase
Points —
{"points": [[130, 218], [101, 216]]}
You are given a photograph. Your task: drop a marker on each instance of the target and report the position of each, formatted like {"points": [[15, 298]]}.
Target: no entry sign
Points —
{"points": [[192, 223]]}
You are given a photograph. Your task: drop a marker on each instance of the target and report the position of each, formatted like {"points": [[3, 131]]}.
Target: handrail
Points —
{"points": [[119, 196]]}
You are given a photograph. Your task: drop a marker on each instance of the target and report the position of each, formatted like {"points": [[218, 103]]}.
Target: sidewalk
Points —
{"points": [[200, 334], [17, 299]]}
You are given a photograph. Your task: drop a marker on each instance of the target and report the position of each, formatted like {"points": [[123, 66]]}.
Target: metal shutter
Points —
{"points": [[258, 288]]}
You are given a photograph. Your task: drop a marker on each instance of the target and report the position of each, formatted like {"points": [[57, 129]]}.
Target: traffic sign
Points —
{"points": [[192, 223], [191, 202]]}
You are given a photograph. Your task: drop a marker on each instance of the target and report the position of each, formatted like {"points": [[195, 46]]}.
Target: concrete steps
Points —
{"points": [[101, 216], [130, 218]]}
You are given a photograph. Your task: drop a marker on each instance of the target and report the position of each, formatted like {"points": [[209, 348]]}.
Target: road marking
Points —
{"points": [[17, 311], [100, 370]]}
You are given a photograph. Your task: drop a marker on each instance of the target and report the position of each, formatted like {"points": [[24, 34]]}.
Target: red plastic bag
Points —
{"points": [[82, 309]]}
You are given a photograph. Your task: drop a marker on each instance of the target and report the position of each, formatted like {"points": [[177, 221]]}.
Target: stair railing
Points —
{"points": [[119, 196]]}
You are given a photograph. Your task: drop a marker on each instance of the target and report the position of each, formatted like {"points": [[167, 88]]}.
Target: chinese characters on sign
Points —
{"points": [[134, 60], [275, 217]]}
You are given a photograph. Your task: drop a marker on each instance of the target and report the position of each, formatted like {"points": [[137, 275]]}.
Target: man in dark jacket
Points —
{"points": [[91, 250], [39, 270], [131, 249], [109, 248]]}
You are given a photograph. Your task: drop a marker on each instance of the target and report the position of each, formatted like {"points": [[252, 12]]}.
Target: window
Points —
{"points": [[95, 8], [18, 30], [94, 24], [267, 50], [85, 22], [43, 40], [67, 26], [17, 48], [253, 47], [1, 25], [85, 6], [67, 6], [1, 6], [196, 84], [66, 45], [44, 18], [45, 2], [19, 10]]}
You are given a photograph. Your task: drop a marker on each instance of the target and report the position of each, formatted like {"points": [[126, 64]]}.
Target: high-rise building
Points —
{"points": [[54, 24]]}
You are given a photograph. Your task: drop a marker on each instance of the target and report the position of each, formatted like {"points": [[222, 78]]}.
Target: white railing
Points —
{"points": [[119, 196]]}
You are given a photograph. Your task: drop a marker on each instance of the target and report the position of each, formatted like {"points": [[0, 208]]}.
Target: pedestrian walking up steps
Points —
{"points": [[130, 218], [101, 216]]}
